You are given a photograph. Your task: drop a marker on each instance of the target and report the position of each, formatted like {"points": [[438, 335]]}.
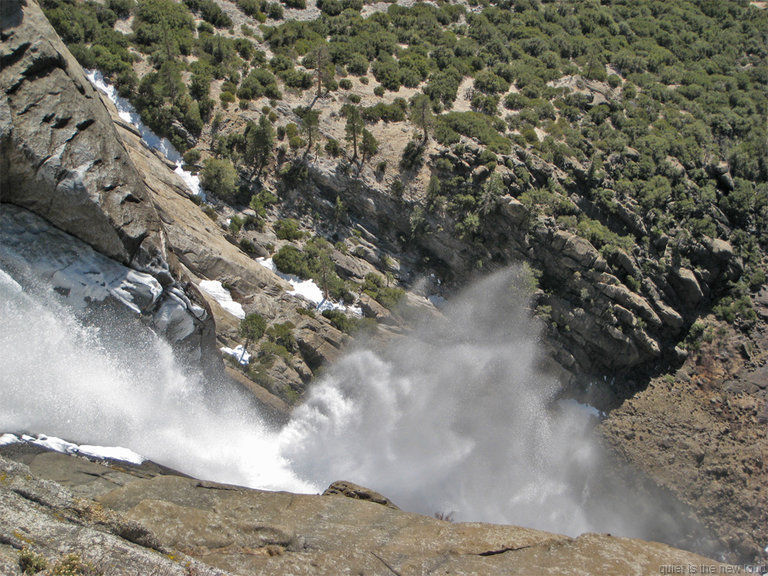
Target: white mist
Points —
{"points": [[455, 418]]}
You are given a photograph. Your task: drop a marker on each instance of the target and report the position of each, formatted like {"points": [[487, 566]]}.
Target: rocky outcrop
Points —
{"points": [[59, 152], [357, 492], [611, 310], [98, 234], [125, 519], [701, 433], [48, 519]]}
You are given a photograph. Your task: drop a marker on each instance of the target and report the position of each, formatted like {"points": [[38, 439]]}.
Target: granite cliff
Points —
{"points": [[118, 518], [87, 207]]}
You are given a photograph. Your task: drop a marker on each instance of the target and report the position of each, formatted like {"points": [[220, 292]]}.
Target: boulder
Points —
{"points": [[372, 309], [319, 343], [357, 492], [579, 250], [513, 210], [686, 286]]}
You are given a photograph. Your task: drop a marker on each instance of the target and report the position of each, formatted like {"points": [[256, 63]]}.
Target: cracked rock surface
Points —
{"points": [[123, 517]]}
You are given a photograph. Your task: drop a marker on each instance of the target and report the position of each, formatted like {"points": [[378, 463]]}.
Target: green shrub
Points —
{"points": [[219, 177], [31, 562], [413, 155], [290, 260], [472, 124], [253, 326], [270, 350], [288, 229], [387, 73], [122, 8], [330, 7], [357, 65], [282, 335], [340, 320], [332, 147], [274, 10], [210, 12], [394, 112], [247, 246], [387, 296], [259, 82], [226, 99], [192, 156], [489, 83]]}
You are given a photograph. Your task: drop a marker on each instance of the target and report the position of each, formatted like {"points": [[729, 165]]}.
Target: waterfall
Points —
{"points": [[456, 418], [83, 384]]}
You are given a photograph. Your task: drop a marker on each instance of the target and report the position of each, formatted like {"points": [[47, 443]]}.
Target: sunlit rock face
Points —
{"points": [[60, 154], [120, 515], [99, 238]]}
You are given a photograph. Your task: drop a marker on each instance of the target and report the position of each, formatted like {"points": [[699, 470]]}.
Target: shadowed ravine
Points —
{"points": [[455, 418]]}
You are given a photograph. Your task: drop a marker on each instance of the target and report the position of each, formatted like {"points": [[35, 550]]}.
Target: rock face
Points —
{"points": [[609, 314], [59, 150], [67, 157], [122, 518], [702, 435], [35, 251], [61, 159]]}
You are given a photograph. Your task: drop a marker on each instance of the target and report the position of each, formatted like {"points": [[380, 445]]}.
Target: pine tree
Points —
{"points": [[354, 126], [369, 145], [252, 328], [421, 114], [259, 141], [310, 121], [324, 70]]}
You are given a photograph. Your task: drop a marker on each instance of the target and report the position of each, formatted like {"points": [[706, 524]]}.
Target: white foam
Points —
{"points": [[454, 417], [7, 280], [60, 377]]}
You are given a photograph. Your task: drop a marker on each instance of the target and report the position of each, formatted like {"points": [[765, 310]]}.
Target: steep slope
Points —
{"points": [[62, 161], [633, 234]]}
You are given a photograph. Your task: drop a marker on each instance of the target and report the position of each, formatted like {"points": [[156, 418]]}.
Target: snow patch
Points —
{"points": [[214, 289], [128, 114], [309, 290], [64, 447], [238, 352]]}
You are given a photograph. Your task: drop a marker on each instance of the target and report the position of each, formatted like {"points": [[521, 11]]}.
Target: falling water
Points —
{"points": [[456, 418], [63, 379]]}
